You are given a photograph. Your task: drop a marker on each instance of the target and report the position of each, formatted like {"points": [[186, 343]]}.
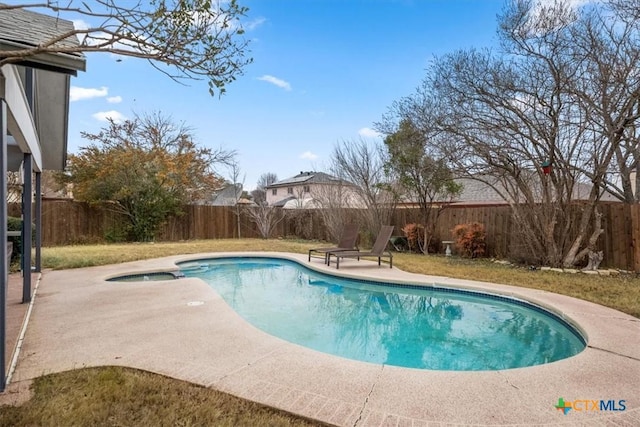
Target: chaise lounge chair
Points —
{"points": [[378, 250], [347, 242]]}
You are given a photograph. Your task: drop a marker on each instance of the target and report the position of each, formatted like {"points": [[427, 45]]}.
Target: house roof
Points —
{"points": [[23, 29], [310, 177], [281, 203], [227, 196], [40, 128], [476, 192], [307, 203]]}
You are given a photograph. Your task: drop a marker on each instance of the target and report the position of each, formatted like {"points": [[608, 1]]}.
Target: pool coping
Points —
{"points": [[80, 319]]}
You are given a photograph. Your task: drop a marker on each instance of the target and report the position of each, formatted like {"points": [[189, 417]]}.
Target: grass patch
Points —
{"points": [[618, 292], [116, 396], [77, 256]]}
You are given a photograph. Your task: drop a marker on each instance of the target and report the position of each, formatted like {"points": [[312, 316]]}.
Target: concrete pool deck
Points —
{"points": [[80, 320]]}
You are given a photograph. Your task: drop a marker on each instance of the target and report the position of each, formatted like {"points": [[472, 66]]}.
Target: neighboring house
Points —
{"points": [[49, 187], [229, 195], [479, 193], [226, 196], [475, 193], [300, 191]]}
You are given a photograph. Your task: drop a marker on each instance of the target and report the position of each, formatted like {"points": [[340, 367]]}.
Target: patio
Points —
{"points": [[81, 320]]}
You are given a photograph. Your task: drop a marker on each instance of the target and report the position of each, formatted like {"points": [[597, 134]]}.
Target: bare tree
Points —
{"points": [[238, 184], [608, 92], [14, 187], [362, 163], [260, 193], [512, 122], [546, 121], [186, 39], [628, 11], [332, 201], [265, 217]]}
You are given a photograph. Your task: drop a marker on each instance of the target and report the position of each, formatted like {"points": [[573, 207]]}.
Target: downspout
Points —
{"points": [[38, 221], [27, 195], [4, 258], [27, 220]]}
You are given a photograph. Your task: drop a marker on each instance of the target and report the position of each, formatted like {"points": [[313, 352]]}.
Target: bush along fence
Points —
{"points": [[69, 222]]}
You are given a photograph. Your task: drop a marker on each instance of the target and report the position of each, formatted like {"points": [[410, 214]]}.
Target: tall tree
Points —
{"points": [[145, 168], [546, 120], [530, 122], [238, 184], [608, 92], [333, 199], [425, 178], [185, 39], [361, 163]]}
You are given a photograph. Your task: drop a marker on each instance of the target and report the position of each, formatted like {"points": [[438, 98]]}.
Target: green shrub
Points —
{"points": [[115, 235], [15, 224]]}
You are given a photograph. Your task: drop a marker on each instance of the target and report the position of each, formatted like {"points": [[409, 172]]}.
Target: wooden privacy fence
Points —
{"points": [[69, 222]]}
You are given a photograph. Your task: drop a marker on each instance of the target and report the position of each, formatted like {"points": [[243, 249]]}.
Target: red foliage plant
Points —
{"points": [[415, 236], [470, 239]]}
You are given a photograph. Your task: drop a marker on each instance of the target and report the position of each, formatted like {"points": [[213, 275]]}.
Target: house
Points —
{"points": [[228, 195], [476, 193], [34, 114], [300, 190]]}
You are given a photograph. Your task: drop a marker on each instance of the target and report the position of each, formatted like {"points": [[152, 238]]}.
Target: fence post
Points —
{"points": [[635, 235]]}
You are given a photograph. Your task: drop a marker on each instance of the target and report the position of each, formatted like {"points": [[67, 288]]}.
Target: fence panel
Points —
{"points": [[68, 222], [634, 215]]}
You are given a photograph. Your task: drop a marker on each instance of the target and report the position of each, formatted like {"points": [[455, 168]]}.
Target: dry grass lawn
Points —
{"points": [[116, 396]]}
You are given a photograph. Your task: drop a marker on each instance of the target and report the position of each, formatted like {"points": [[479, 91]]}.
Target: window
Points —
{"points": [[290, 190], [305, 188], [274, 191]]}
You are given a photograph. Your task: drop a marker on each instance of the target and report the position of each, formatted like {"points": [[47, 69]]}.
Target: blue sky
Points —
{"points": [[324, 71]]}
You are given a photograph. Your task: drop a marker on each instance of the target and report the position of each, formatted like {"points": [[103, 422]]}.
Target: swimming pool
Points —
{"points": [[402, 325]]}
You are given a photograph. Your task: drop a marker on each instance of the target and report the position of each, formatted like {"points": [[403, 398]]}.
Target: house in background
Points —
{"points": [[299, 191], [228, 195], [476, 193]]}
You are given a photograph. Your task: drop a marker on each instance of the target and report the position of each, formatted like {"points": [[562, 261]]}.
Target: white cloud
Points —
{"points": [[368, 133], [114, 115], [253, 24], [79, 24], [79, 93], [276, 81], [114, 99], [308, 155], [546, 15]]}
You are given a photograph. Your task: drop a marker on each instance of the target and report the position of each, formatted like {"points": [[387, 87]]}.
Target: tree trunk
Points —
{"points": [[575, 255]]}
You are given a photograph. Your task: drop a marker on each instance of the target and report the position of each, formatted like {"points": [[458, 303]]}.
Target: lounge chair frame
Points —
{"points": [[379, 249], [348, 242]]}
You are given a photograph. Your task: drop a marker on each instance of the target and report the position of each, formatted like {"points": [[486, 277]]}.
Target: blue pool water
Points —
{"points": [[439, 328]]}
